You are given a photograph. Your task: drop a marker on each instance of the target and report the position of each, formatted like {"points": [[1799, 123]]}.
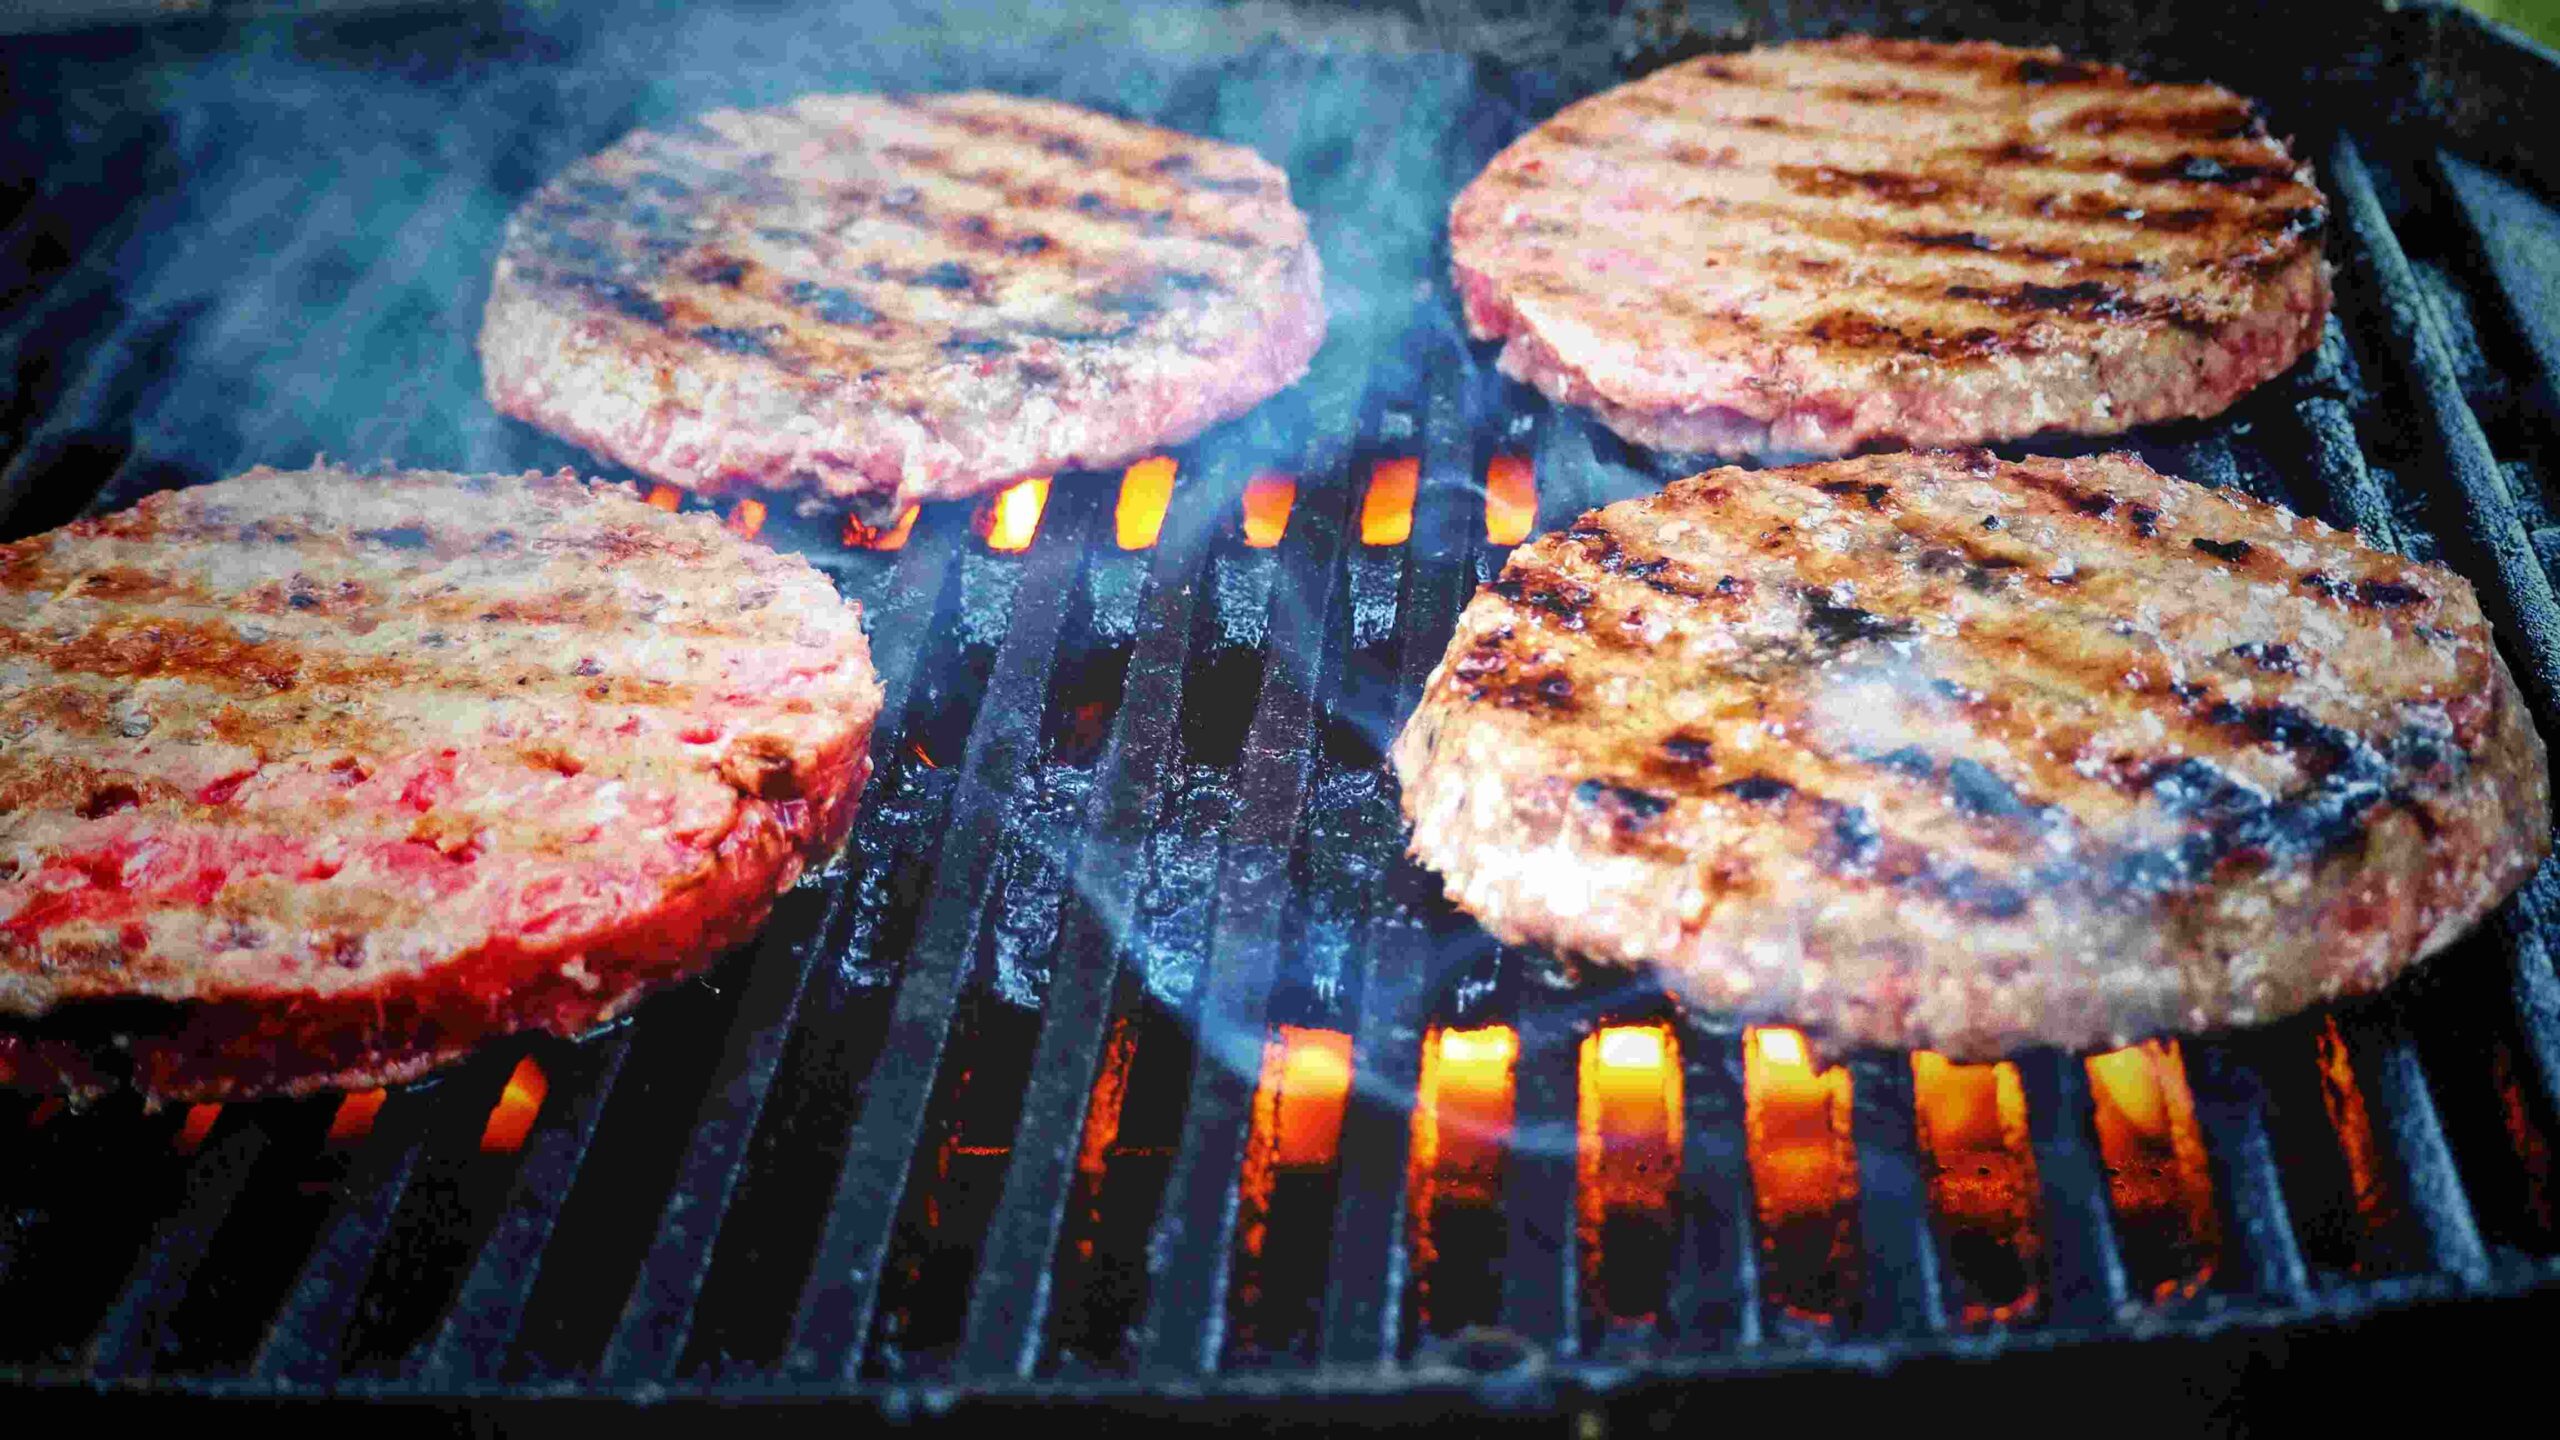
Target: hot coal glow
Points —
{"points": [[511, 1119], [665, 497], [1267, 498], [1461, 1122], [1386, 511], [199, 1124], [866, 537], [1973, 1121], [2156, 1174], [1510, 499], [1628, 1164], [1146, 488], [1013, 518], [747, 517], [1285, 1195], [353, 1119], [1804, 1172]]}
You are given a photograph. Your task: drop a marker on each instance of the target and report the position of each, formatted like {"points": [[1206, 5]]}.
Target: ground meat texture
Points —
{"points": [[321, 778], [1945, 751], [881, 299], [1812, 248]]}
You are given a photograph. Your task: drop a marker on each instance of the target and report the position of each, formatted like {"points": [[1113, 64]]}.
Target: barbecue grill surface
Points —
{"points": [[1132, 815]]}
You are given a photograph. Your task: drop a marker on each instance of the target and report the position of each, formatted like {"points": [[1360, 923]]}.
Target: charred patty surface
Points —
{"points": [[320, 778], [884, 298], [1938, 750], [1815, 247]]}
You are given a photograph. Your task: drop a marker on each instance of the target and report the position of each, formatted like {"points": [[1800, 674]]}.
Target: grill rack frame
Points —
{"points": [[797, 1012]]}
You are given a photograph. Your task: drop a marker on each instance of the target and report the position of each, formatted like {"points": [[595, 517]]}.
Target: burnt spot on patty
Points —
{"points": [[2234, 551], [1626, 808], [730, 340], [1837, 624], [830, 303]]}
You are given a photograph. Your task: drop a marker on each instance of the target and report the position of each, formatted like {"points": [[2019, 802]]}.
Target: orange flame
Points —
{"points": [[865, 537], [1510, 499], [1973, 1121], [511, 1119], [1386, 512], [200, 1120], [1015, 516], [2347, 1114], [1145, 489], [1461, 1118], [916, 748], [665, 497], [2156, 1175], [1267, 498], [1628, 1159], [1306, 1080], [747, 517], [1803, 1170], [354, 1119]]}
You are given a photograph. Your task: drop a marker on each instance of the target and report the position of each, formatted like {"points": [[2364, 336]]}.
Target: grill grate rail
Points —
{"points": [[1183, 879]]}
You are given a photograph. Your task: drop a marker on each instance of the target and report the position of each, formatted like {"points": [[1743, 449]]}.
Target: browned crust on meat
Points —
{"points": [[1815, 247], [1942, 751], [322, 778], [883, 299]]}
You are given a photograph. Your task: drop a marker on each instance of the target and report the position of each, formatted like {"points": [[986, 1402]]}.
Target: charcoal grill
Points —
{"points": [[996, 1114]]}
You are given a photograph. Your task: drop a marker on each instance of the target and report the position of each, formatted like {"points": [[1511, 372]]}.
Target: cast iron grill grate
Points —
{"points": [[990, 1112]]}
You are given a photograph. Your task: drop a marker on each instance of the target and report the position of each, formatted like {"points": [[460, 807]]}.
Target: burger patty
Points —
{"points": [[882, 299], [320, 778], [1814, 247], [1942, 751]]}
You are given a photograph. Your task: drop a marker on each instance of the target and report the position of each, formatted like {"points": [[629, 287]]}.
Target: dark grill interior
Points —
{"points": [[1035, 1095]]}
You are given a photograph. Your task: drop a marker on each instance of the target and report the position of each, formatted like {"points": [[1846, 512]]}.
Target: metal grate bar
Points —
{"points": [[2524, 926], [2520, 602], [834, 1313], [127, 1340], [1542, 1261], [2259, 1250], [2505, 224], [471, 1341], [2405, 1121], [652, 1328], [1008, 1301], [302, 1341], [2079, 1230], [1188, 1253], [1715, 1285], [1364, 1281], [1902, 1294]]}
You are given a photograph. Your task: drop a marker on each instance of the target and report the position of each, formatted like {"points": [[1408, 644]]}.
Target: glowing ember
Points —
{"points": [[747, 517], [1015, 516], [1510, 499], [2156, 1175], [354, 1119], [2347, 1114], [1306, 1078], [1780, 1047], [665, 497], [199, 1124], [916, 748], [865, 537], [45, 1110], [1102, 1129], [1267, 498], [1973, 1121], [511, 1119], [1145, 489], [1386, 512], [1804, 1172], [1628, 1162], [1461, 1121]]}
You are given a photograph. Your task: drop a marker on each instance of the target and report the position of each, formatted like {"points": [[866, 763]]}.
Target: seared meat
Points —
{"points": [[1938, 750], [883, 299], [319, 778], [1815, 247]]}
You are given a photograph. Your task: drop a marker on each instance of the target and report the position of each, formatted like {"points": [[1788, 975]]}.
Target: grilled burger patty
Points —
{"points": [[1815, 247], [884, 299], [317, 778], [1938, 750]]}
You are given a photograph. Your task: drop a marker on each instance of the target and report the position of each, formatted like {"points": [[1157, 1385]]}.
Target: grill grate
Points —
{"points": [[1131, 814]]}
